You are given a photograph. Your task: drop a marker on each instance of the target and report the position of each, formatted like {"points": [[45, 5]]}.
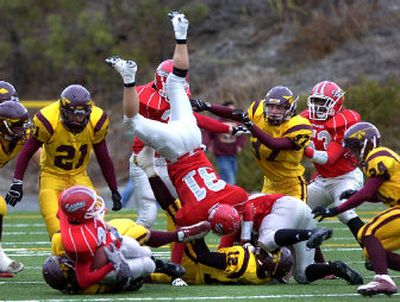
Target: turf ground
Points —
{"points": [[25, 239]]}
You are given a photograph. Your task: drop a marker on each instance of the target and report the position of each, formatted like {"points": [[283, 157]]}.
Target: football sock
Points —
{"points": [[287, 237], [355, 225], [319, 257], [376, 253], [159, 238], [393, 260], [317, 271], [177, 252]]}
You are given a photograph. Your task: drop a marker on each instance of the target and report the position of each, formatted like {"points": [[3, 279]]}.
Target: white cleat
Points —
{"points": [[382, 284], [179, 282]]}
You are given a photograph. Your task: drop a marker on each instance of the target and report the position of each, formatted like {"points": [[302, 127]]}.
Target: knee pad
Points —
{"points": [[149, 265]]}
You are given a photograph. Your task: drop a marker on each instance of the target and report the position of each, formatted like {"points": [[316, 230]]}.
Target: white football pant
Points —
{"points": [[289, 213], [181, 135], [325, 192]]}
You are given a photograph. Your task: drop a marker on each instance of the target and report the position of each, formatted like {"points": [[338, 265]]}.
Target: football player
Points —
{"points": [[81, 217], [380, 237], [155, 105], [279, 137], [179, 142], [281, 220], [15, 129], [67, 130], [337, 172]]}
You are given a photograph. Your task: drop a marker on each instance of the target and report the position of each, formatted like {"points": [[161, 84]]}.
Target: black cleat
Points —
{"points": [[318, 236], [342, 270], [170, 269], [369, 266]]}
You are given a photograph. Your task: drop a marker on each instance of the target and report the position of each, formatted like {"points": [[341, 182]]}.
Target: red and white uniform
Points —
{"points": [[200, 188], [179, 142], [340, 173], [80, 242]]}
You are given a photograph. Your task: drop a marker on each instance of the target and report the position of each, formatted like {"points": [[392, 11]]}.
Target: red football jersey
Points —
{"points": [[199, 188], [332, 130], [262, 205]]}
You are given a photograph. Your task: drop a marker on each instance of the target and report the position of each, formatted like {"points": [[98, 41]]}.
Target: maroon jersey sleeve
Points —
{"points": [[210, 124]]}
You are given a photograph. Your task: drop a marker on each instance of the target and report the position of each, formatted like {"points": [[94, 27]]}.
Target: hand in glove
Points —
{"points": [[15, 192], [320, 212], [116, 199], [240, 130], [199, 105], [240, 115], [118, 261], [126, 68], [180, 24]]}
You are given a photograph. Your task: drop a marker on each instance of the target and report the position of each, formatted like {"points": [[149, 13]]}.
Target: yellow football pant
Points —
{"points": [[292, 186], [50, 187]]}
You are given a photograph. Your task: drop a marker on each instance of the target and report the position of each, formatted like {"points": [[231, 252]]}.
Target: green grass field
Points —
{"points": [[25, 239]]}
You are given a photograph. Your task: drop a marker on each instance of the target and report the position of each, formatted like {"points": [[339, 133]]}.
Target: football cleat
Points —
{"points": [[382, 284], [342, 270], [195, 231], [318, 235], [170, 269], [179, 282], [15, 267], [126, 68]]}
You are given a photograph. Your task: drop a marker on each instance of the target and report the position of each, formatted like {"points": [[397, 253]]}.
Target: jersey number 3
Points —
{"points": [[210, 180]]}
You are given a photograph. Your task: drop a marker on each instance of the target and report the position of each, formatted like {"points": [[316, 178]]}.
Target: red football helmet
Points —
{"points": [[15, 124], [161, 74], [80, 203], [224, 219], [326, 99], [7, 92]]}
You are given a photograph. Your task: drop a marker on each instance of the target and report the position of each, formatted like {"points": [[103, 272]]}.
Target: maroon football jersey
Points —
{"points": [[332, 130]]}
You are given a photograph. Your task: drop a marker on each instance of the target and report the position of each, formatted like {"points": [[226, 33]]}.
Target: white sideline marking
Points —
{"points": [[23, 225], [174, 298]]}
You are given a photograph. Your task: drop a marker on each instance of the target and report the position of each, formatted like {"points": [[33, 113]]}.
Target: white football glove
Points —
{"points": [[145, 160], [180, 24], [126, 68]]}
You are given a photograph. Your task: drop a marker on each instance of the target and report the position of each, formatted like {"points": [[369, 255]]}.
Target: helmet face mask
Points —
{"points": [[75, 106], [361, 139], [15, 124], [80, 203], [326, 100], [279, 105]]}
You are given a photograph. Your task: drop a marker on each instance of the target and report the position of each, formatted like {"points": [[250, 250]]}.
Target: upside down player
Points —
{"points": [[337, 172], [179, 142], [279, 137], [14, 131], [379, 237], [67, 130], [155, 105], [81, 217]]}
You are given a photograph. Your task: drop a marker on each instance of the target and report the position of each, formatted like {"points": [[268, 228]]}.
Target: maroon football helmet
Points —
{"points": [[80, 203], [362, 138], [326, 99], [276, 264], [224, 219], [161, 74], [7, 92], [59, 272], [76, 105], [14, 121], [283, 97]]}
